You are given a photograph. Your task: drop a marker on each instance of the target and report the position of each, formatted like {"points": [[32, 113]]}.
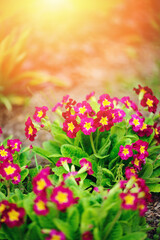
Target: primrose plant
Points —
{"points": [[105, 139]]}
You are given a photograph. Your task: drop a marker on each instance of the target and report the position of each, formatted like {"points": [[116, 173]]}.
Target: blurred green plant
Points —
{"points": [[14, 81]]}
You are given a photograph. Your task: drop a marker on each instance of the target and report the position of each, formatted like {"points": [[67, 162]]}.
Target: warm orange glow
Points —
{"points": [[54, 4]]}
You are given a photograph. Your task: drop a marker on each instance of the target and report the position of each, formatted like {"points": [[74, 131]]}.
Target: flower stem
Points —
{"points": [[92, 143], [36, 162]]}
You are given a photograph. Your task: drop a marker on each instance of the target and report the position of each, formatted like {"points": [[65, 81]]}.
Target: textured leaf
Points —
{"points": [[135, 235]]}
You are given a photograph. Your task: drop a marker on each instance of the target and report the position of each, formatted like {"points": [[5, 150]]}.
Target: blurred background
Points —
{"points": [[49, 48]]}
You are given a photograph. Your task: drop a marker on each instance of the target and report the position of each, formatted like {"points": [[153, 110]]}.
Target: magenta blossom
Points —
{"points": [[14, 145], [125, 152], [86, 165], [40, 205], [104, 120], [106, 102], [141, 147], [40, 113], [87, 126], [57, 235], [136, 122], [30, 130], [71, 127], [150, 101]]}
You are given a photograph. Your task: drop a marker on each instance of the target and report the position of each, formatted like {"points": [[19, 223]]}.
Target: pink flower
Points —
{"points": [[40, 113], [86, 165], [62, 197], [129, 200], [69, 175], [83, 109], [137, 162], [41, 181], [1, 131], [87, 236], [30, 130], [12, 215], [14, 145], [56, 106], [136, 122], [157, 132], [9, 170], [40, 205], [125, 152], [141, 147], [145, 130], [130, 172], [71, 127], [143, 90], [142, 207], [16, 179], [117, 115], [63, 160], [129, 103], [104, 120], [57, 235], [150, 101], [106, 102], [5, 154], [90, 95], [87, 126]]}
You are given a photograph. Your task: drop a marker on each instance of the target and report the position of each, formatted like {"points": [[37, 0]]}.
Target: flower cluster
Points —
{"points": [[147, 98], [31, 128], [135, 194], [61, 195], [11, 214], [8, 169], [138, 157]]}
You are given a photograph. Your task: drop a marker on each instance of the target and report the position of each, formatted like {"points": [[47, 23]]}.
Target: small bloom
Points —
{"points": [[5, 154], [40, 113], [119, 115], [136, 122], [71, 127], [83, 109], [14, 145], [86, 165], [69, 175], [16, 179], [41, 181], [1, 131], [40, 205], [150, 101], [56, 235], [87, 126], [130, 172], [90, 95], [137, 162], [129, 200], [129, 103], [87, 236], [125, 152], [143, 90], [9, 170], [63, 160], [141, 147], [145, 130], [142, 207], [62, 197], [56, 106], [106, 102], [13, 216], [30, 130], [104, 120], [157, 132]]}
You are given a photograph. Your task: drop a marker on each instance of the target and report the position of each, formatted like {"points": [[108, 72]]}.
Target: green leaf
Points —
{"points": [[116, 232], [88, 218], [154, 187], [152, 180], [85, 142], [64, 227], [73, 152], [107, 172], [156, 173], [118, 131], [135, 235], [2, 196], [96, 234], [59, 170], [43, 153], [100, 157], [34, 232], [147, 170], [24, 173], [51, 147], [73, 218]]}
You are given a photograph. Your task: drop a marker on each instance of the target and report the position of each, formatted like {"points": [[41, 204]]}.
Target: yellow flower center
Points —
{"points": [[141, 206], [87, 125], [113, 115], [62, 197], [9, 170], [30, 130], [2, 207], [41, 184], [142, 149], [129, 199], [104, 120], [15, 146], [106, 102], [132, 170], [56, 237], [144, 126], [125, 151], [128, 103], [136, 162], [13, 215], [41, 205], [3, 153], [149, 102], [82, 110], [156, 131], [71, 127], [136, 122], [40, 114]]}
